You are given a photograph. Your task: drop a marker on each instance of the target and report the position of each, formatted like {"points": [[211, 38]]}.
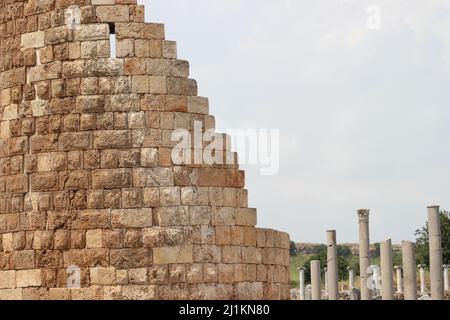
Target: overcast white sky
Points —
{"points": [[364, 114]]}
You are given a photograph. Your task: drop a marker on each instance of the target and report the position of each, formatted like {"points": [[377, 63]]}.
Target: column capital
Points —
{"points": [[363, 215]]}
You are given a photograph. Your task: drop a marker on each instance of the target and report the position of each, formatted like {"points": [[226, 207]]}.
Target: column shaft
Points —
{"points": [[409, 270], [434, 233], [364, 252], [315, 280], [332, 264], [387, 277]]}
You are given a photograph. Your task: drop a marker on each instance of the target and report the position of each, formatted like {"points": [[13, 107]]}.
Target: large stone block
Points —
{"points": [[7, 279], [169, 255], [74, 141], [112, 139], [45, 181], [28, 278], [140, 292], [90, 104], [111, 178], [198, 105], [130, 258], [153, 177], [12, 77], [90, 32], [103, 276], [112, 13], [32, 40], [171, 216], [131, 218], [246, 217], [93, 219]]}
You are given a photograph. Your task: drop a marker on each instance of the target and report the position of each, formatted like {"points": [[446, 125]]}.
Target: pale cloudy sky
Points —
{"points": [[363, 114]]}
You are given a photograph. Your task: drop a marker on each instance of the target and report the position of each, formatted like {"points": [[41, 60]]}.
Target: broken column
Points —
{"points": [[302, 283], [315, 280], [351, 284], [409, 270], [387, 282], [423, 284], [434, 234], [446, 284], [351, 278], [398, 270], [332, 264], [364, 252]]}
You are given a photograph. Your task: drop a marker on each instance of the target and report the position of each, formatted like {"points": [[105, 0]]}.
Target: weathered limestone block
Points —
{"points": [[37, 6], [102, 2], [90, 104], [7, 279], [171, 216], [113, 13], [112, 139], [58, 35], [28, 278], [45, 72], [74, 141], [12, 77], [131, 218], [169, 255], [32, 40], [111, 178], [198, 105], [91, 32], [93, 219], [139, 292], [245, 217], [153, 177]]}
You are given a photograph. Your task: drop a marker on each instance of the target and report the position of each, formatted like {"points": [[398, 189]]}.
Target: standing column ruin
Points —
{"points": [[423, 283], [315, 280], [409, 270], [435, 241], [446, 284], [387, 277], [351, 278], [364, 252], [302, 283], [332, 264], [398, 270]]}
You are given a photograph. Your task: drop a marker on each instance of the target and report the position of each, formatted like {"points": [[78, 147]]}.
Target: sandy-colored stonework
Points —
{"points": [[86, 177]]}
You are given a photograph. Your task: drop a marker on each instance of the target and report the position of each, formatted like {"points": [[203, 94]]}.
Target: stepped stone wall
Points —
{"points": [[87, 183]]}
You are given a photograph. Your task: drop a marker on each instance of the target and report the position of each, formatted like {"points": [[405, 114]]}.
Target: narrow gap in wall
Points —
{"points": [[112, 40]]}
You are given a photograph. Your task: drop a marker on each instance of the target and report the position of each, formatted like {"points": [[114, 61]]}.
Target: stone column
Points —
{"points": [[434, 234], [387, 277], [398, 270], [423, 283], [315, 280], [446, 284], [364, 252], [409, 270], [351, 278], [302, 283], [332, 264], [325, 275], [308, 292]]}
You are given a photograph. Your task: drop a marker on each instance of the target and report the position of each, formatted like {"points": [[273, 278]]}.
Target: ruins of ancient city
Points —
{"points": [[99, 202]]}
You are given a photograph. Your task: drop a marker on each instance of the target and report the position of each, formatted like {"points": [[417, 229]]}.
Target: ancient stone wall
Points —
{"points": [[86, 177]]}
